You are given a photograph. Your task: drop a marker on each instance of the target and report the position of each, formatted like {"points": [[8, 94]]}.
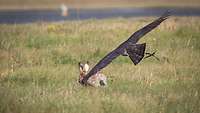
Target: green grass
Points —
{"points": [[39, 67]]}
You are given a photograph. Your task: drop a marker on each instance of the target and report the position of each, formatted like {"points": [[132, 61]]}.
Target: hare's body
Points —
{"points": [[96, 80]]}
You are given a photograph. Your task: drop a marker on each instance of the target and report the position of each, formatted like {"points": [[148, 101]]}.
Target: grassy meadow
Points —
{"points": [[39, 67]]}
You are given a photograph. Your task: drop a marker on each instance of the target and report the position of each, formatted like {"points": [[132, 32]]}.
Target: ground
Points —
{"points": [[39, 67]]}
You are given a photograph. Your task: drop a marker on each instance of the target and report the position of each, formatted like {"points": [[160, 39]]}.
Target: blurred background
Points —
{"points": [[49, 4], [27, 11]]}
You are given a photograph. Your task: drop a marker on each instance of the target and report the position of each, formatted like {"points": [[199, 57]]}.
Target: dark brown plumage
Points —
{"points": [[128, 48]]}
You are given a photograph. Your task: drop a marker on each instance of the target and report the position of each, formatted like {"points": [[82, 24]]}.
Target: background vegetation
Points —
{"points": [[39, 71]]}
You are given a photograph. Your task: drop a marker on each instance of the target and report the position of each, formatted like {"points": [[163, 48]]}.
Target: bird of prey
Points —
{"points": [[128, 48]]}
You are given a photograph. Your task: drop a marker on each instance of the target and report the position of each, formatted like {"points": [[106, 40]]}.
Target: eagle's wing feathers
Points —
{"points": [[143, 31], [133, 39], [102, 63]]}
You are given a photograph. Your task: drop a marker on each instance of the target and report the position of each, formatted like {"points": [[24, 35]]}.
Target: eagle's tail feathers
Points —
{"points": [[136, 52]]}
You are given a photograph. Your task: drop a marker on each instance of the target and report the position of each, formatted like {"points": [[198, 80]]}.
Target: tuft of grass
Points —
{"points": [[39, 71]]}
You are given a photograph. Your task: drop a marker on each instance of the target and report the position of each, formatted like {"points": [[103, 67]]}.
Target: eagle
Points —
{"points": [[128, 48]]}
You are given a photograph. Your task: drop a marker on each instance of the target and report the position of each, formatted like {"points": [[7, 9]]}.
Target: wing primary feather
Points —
{"points": [[140, 33]]}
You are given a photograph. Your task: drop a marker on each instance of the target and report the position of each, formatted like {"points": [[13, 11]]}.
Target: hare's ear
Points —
{"points": [[80, 65], [88, 62]]}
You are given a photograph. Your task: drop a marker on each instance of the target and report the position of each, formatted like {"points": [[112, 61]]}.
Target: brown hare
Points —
{"points": [[96, 80]]}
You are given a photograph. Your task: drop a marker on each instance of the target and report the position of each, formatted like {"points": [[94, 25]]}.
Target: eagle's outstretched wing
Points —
{"points": [[140, 33], [126, 46]]}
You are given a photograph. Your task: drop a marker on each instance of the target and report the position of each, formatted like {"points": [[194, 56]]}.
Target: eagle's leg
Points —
{"points": [[151, 55]]}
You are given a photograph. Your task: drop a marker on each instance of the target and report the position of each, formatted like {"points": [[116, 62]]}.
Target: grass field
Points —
{"points": [[39, 67]]}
